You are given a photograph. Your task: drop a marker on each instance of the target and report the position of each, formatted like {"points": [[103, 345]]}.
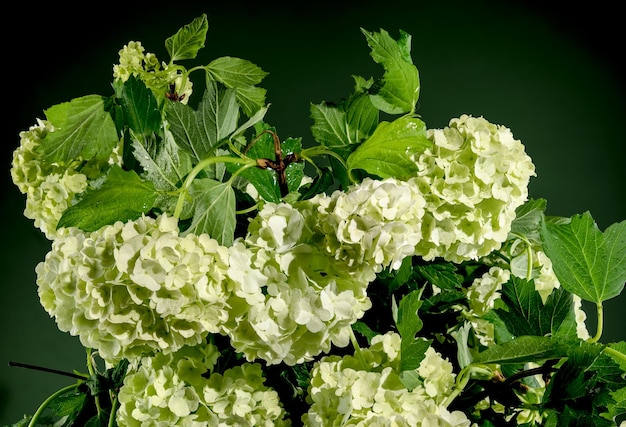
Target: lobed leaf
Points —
{"points": [[187, 41], [213, 210], [587, 262], [412, 348], [141, 109], [523, 349], [82, 129], [199, 132], [398, 91], [389, 151], [122, 197], [525, 312]]}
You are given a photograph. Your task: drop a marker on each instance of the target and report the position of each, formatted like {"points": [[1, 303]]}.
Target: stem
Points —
{"points": [[198, 168], [114, 406], [92, 372], [357, 350], [600, 316], [44, 405], [470, 371], [615, 353], [320, 150], [52, 371], [461, 382]]}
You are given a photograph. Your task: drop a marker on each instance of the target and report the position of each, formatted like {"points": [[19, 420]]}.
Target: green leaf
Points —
{"points": [[122, 196], [441, 274], [213, 210], [350, 122], [587, 262], [217, 116], [164, 164], [330, 127], [99, 420], [116, 374], [463, 354], [251, 99], [389, 151], [235, 72], [140, 107], [266, 180], [186, 43], [363, 329], [83, 129], [361, 115], [241, 76], [523, 349], [346, 123], [528, 218], [199, 132], [398, 91], [295, 170], [412, 348], [585, 380], [525, 313], [69, 405], [320, 183]]}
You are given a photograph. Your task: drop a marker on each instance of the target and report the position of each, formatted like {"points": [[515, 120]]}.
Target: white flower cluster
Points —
{"points": [[482, 295], [473, 179], [180, 389], [290, 300], [50, 188], [374, 224], [131, 288], [368, 391], [158, 77]]}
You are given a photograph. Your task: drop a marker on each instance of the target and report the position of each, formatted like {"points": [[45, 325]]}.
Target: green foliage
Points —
{"points": [[388, 151], [409, 324], [526, 314], [196, 162], [588, 263], [523, 349], [199, 132], [122, 196], [214, 210], [186, 43], [398, 91], [83, 129], [582, 387], [139, 106]]}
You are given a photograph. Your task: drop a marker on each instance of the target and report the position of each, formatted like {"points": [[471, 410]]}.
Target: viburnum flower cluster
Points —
{"points": [[130, 289], [405, 280], [367, 389], [172, 389], [474, 178], [50, 188]]}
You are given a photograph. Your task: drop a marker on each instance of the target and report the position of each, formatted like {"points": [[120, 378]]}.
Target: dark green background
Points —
{"points": [[550, 74]]}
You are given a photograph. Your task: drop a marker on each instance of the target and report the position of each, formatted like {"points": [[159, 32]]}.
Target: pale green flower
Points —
{"points": [[482, 295], [581, 317], [473, 179], [437, 374], [546, 281], [50, 188], [374, 224], [161, 78], [239, 397], [290, 299], [367, 390], [129, 289], [165, 389], [46, 202]]}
